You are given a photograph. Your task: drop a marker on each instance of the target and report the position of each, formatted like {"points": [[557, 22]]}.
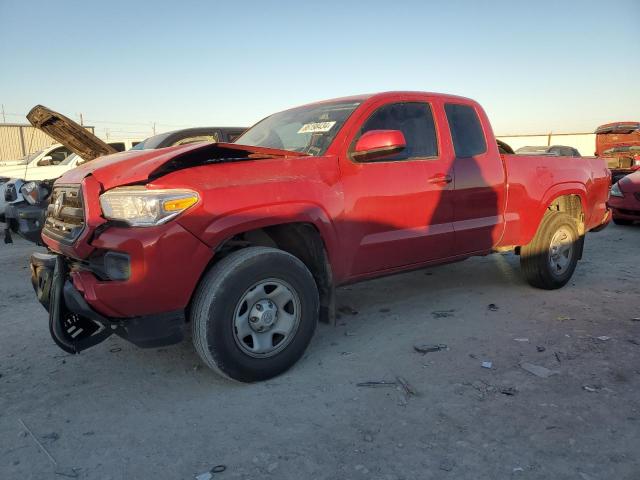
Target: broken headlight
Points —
{"points": [[34, 192], [140, 207]]}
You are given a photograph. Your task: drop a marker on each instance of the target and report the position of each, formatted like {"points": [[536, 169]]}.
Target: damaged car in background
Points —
{"points": [[624, 199], [24, 201], [246, 242], [619, 144]]}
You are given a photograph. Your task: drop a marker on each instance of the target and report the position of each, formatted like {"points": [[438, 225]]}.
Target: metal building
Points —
{"points": [[18, 140]]}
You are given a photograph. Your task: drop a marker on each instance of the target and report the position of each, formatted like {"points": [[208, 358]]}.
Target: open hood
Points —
{"points": [[141, 166], [67, 132]]}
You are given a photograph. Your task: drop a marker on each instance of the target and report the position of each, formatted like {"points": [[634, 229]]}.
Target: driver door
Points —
{"points": [[398, 209]]}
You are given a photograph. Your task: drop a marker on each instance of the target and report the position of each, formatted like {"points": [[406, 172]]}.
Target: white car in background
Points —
{"points": [[51, 155], [45, 165]]}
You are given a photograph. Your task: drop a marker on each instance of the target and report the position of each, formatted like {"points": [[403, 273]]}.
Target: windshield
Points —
{"points": [[28, 158], [69, 159], [151, 142], [309, 129]]}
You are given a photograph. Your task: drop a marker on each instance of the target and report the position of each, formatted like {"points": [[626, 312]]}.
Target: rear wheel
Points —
{"points": [[254, 314], [550, 259]]}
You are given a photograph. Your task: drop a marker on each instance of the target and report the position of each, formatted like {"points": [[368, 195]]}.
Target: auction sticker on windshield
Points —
{"points": [[317, 127]]}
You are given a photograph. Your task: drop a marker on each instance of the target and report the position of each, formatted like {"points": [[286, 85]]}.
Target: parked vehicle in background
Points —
{"points": [[248, 240], [25, 209], [52, 155], [619, 144], [624, 199], [554, 150], [191, 135]]}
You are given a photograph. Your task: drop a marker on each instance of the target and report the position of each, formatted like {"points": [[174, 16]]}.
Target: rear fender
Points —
{"points": [[529, 228]]}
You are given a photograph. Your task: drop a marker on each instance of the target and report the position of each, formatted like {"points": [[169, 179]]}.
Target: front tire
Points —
{"points": [[254, 313], [549, 260]]}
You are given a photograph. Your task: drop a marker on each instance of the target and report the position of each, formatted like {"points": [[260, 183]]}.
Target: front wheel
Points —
{"points": [[550, 259], [254, 314]]}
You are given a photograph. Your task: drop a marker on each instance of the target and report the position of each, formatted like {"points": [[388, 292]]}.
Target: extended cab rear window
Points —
{"points": [[466, 130]]}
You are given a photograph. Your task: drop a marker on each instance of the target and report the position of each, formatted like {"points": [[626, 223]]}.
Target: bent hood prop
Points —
{"points": [[67, 132]]}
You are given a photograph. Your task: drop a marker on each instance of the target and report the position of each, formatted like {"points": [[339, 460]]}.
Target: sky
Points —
{"points": [[561, 66]]}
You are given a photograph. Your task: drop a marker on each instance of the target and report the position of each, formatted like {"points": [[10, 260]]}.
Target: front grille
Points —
{"points": [[10, 193], [65, 214]]}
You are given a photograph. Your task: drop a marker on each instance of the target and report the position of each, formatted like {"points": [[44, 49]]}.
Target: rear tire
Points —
{"points": [[254, 313], [549, 260]]}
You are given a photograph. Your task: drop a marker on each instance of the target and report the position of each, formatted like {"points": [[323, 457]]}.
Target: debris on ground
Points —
{"points": [[635, 319], [603, 338], [564, 318], [442, 313], [487, 364], [510, 391], [346, 354], [540, 348], [44, 450], [209, 475], [347, 310], [67, 472], [429, 348], [53, 436], [592, 388], [538, 370], [349, 334], [406, 386], [521, 339], [493, 307], [381, 383]]}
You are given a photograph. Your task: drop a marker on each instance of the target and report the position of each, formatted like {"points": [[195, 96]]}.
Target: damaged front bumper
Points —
{"points": [[75, 326]]}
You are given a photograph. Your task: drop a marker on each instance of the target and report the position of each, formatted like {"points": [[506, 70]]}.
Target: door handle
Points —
{"points": [[441, 178]]}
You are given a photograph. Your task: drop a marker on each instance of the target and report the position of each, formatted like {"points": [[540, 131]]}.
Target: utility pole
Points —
{"points": [[81, 119], [154, 128], [4, 119]]}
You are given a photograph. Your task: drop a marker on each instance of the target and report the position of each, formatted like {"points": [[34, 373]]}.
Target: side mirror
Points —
{"points": [[45, 161], [378, 144]]}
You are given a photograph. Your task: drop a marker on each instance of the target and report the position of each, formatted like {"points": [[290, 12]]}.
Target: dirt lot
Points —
{"points": [[118, 412]]}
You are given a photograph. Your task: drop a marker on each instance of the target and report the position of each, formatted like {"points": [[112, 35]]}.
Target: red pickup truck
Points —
{"points": [[247, 241]]}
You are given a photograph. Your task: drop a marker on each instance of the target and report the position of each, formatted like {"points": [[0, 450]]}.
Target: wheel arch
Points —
{"points": [[302, 231], [569, 198]]}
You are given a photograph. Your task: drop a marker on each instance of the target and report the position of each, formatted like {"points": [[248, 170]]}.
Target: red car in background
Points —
{"points": [[619, 144], [624, 200]]}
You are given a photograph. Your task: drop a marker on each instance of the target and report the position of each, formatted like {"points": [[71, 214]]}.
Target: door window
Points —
{"points": [[466, 130], [415, 121], [59, 155]]}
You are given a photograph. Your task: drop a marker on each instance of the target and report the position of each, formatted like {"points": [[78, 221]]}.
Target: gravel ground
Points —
{"points": [[119, 412]]}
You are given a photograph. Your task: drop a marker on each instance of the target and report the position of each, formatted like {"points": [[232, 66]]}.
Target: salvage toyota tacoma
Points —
{"points": [[246, 242]]}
